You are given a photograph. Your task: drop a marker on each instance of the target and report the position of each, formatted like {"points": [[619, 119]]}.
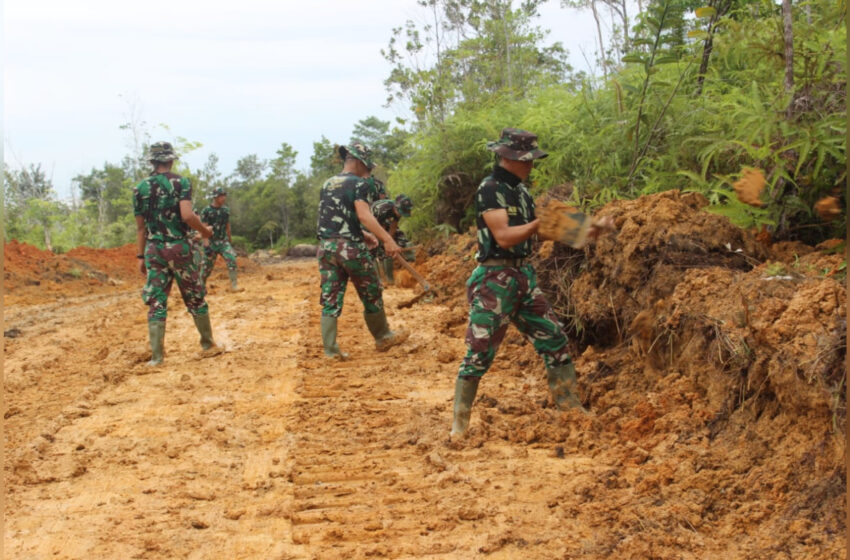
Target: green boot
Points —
{"points": [[564, 387], [208, 345], [329, 338], [156, 332], [465, 389], [233, 286], [384, 337]]}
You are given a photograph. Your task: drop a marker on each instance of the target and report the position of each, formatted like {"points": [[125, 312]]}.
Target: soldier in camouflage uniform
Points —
{"points": [[162, 205], [217, 216], [389, 213], [503, 288], [380, 188], [343, 252]]}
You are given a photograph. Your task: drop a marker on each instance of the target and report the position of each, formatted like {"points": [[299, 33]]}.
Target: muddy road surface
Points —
{"points": [[269, 451]]}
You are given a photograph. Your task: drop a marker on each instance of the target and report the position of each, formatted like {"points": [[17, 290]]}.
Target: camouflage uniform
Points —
{"points": [[380, 188], [343, 254], [170, 254], [504, 293], [342, 250], [388, 213], [503, 288], [217, 218]]}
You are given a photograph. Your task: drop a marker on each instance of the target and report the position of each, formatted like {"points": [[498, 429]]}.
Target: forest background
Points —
{"points": [[685, 94]]}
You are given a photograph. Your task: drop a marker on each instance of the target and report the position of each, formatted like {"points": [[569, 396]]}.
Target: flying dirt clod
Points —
{"points": [[750, 186]]}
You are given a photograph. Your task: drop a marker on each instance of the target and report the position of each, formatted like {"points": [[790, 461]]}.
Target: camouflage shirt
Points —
{"points": [[157, 200], [380, 189], [217, 219], [385, 212], [337, 216], [502, 189]]}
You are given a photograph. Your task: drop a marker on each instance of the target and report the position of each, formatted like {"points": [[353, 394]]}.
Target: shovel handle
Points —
{"points": [[414, 273]]}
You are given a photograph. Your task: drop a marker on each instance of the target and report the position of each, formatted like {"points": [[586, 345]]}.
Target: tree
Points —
{"points": [[31, 211], [109, 191], [325, 161], [788, 35], [386, 144], [282, 175], [249, 169], [468, 52]]}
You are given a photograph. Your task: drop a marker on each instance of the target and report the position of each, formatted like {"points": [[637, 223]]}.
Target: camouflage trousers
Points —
{"points": [[212, 251], [167, 261], [499, 295], [339, 260]]}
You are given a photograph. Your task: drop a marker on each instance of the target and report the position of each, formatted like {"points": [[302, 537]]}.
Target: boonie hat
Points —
{"points": [[518, 145], [357, 150], [162, 152], [218, 191], [404, 204]]}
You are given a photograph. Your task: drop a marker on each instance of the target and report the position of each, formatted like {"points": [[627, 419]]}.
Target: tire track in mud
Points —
{"points": [[373, 473], [270, 451], [355, 492]]}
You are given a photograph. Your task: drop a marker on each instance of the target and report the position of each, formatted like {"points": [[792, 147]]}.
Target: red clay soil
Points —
{"points": [[713, 367], [714, 363], [34, 276]]}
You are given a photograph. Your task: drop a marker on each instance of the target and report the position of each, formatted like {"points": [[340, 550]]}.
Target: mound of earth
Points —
{"points": [[713, 362], [32, 275]]}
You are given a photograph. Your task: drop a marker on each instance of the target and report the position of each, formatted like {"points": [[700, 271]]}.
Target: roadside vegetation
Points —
{"points": [[684, 95]]}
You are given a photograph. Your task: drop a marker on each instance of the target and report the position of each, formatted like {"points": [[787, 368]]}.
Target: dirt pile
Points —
{"points": [[713, 363], [34, 276]]}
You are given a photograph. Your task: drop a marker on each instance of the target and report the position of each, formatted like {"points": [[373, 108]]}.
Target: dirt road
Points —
{"points": [[270, 452]]}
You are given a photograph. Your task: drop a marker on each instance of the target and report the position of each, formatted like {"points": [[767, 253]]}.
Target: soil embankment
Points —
{"points": [[715, 375]]}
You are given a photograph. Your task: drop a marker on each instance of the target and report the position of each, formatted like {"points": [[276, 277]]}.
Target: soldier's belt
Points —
{"points": [[503, 262]]}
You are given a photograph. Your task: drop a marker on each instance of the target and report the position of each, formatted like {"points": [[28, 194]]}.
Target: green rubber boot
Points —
{"points": [[329, 339], [564, 387], [208, 345], [234, 287], [384, 337], [156, 332], [465, 390]]}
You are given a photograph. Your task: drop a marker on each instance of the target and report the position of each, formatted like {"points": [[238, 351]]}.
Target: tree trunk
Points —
{"points": [[507, 46], [47, 244], [721, 8], [101, 217], [788, 32], [625, 28], [599, 35]]}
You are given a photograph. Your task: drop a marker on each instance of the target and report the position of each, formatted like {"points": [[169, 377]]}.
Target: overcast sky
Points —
{"points": [[241, 77]]}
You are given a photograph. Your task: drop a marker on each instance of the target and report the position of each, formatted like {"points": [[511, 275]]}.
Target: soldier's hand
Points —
{"points": [[392, 249], [605, 224], [206, 233], [142, 267], [370, 239]]}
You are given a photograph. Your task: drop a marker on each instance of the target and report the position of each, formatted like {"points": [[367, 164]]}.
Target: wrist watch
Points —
{"points": [[140, 256]]}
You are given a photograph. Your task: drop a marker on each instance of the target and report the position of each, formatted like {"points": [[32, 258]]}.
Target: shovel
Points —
{"points": [[426, 288]]}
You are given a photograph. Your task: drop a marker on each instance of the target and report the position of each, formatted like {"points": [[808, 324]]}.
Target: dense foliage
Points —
{"points": [[690, 94]]}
